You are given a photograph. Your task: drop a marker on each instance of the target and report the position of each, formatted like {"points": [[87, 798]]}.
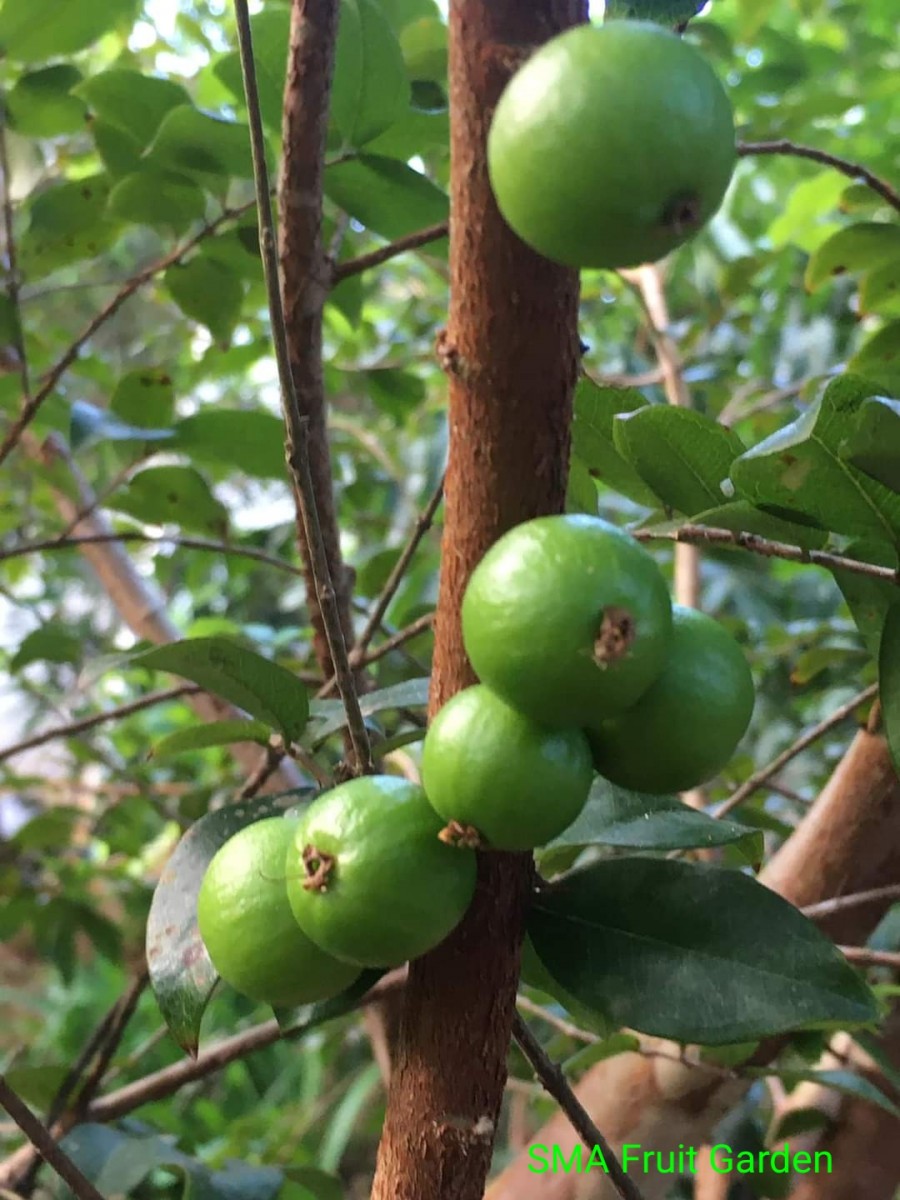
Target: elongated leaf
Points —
{"points": [[682, 455], [214, 733], [208, 292], [131, 101], [857, 248], [42, 105], [181, 973], [615, 817], [262, 688], [370, 89], [869, 599], [879, 359], [177, 495], [799, 473], [743, 517], [387, 196], [196, 143], [145, 398], [692, 952], [593, 418], [412, 693]]}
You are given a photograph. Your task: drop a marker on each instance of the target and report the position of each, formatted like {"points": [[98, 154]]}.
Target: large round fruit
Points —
{"points": [[686, 727], [568, 619], [369, 880], [249, 930], [611, 146], [487, 767]]}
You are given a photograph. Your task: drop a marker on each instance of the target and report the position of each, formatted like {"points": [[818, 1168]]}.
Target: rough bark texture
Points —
{"points": [[848, 842], [305, 276], [511, 352]]}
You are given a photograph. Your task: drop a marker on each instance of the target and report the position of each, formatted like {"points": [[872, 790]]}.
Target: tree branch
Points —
{"points": [[312, 493], [865, 957], [853, 170], [12, 281], [758, 778], [839, 903], [45, 1146], [557, 1086], [383, 254]]}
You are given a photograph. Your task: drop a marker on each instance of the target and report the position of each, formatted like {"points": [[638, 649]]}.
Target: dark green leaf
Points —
{"points": [[692, 952], [132, 102], [196, 143], [247, 440], [889, 680], [181, 974], [595, 410], [262, 688], [172, 495], [207, 292], [41, 104], [45, 29], [214, 733], [157, 199], [869, 599], [50, 643], [387, 196], [664, 12], [370, 89], [681, 455], [614, 817]]}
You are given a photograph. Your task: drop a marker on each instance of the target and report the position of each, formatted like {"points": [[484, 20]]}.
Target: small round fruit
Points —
{"points": [[369, 880], [611, 146], [568, 619], [487, 767], [686, 727], [249, 930]]}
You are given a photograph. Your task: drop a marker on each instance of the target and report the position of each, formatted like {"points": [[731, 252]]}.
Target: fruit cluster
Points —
{"points": [[585, 667], [612, 145]]}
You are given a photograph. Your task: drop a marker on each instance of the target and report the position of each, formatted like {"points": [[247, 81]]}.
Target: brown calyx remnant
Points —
{"points": [[455, 833], [682, 214], [318, 867], [615, 636]]}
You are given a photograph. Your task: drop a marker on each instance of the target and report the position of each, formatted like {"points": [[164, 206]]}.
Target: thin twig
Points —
{"points": [[12, 281], [45, 1146], [53, 376], [865, 957], [758, 778], [853, 170], [73, 728], [296, 425], [708, 535], [551, 1018], [374, 258], [556, 1084], [189, 543], [854, 900], [395, 641]]}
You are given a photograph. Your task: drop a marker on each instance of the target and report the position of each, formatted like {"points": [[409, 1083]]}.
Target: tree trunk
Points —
{"points": [[511, 353]]}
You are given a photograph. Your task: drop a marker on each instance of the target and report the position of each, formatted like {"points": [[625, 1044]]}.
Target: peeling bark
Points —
{"points": [[511, 352]]}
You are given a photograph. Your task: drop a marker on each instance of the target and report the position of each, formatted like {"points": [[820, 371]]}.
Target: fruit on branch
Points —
{"points": [[248, 928], [490, 770], [687, 725], [612, 145], [369, 879], [568, 619]]}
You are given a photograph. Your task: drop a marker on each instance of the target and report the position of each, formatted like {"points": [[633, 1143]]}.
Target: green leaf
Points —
{"points": [[387, 196], [693, 952], [91, 424], [424, 46], [874, 445], [663, 12], [145, 397], [181, 973], [159, 200], [132, 102], [680, 454], [41, 104], [370, 89], [196, 143], [214, 733], [247, 440], [859, 247], [889, 680], [879, 291], [798, 472], [208, 293], [68, 222], [593, 419], [869, 599], [44, 29], [615, 817], [412, 693], [581, 490], [172, 495], [271, 32], [879, 359], [50, 643], [262, 688]]}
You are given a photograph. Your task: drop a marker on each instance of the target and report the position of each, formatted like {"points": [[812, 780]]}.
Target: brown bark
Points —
{"points": [[848, 842], [305, 279], [511, 352]]}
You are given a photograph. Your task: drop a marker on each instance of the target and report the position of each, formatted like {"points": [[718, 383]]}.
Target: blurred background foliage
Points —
{"points": [[124, 138]]}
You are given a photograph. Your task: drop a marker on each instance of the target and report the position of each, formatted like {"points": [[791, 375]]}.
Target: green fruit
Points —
{"points": [[568, 619], [369, 880], [249, 930], [487, 767], [686, 727], [611, 146]]}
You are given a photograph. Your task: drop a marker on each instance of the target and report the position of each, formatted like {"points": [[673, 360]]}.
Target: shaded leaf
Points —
{"points": [[68, 222], [889, 680], [144, 397], [387, 196], [197, 143], [172, 495], [132, 102], [213, 733], [270, 30], [879, 359], [207, 292], [41, 104], [692, 952], [45, 29], [370, 89], [249, 440], [869, 599], [857, 248], [593, 419], [50, 643], [157, 199]]}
